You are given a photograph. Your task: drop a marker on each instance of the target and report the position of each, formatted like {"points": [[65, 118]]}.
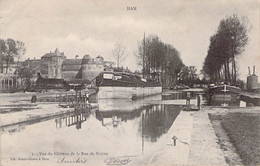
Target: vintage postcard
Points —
{"points": [[129, 82]]}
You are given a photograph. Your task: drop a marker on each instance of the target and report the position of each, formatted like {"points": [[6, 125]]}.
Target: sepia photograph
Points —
{"points": [[129, 82]]}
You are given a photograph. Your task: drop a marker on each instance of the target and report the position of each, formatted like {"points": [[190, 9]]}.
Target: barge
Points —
{"points": [[223, 92], [122, 85]]}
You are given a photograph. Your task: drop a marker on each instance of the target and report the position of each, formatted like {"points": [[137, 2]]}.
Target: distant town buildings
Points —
{"points": [[55, 65]]}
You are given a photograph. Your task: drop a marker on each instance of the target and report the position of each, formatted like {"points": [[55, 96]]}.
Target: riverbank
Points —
{"points": [[195, 144], [242, 127], [203, 141]]}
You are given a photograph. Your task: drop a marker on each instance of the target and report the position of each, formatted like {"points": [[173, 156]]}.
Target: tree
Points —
{"points": [[10, 49], [26, 74], [188, 75], [119, 53], [159, 60], [228, 42]]}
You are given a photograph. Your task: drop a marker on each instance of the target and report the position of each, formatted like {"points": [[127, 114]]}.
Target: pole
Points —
{"points": [[142, 134], [143, 55]]}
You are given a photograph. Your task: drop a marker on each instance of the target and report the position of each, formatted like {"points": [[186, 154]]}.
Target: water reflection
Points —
{"points": [[157, 120], [180, 95], [154, 120], [114, 117], [75, 118], [233, 102], [132, 131], [227, 101]]}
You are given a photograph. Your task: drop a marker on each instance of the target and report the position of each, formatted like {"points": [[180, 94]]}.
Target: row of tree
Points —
{"points": [[225, 46], [159, 60]]}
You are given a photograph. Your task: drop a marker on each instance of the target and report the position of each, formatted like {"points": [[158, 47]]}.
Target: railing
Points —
{"points": [[8, 81], [76, 100]]}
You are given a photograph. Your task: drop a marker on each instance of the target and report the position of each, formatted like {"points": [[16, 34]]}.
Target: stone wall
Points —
{"points": [[91, 70], [51, 66]]}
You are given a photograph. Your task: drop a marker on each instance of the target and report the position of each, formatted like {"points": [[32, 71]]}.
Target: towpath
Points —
{"points": [[196, 142]]}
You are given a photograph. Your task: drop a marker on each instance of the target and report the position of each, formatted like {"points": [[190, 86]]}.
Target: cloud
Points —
{"points": [[92, 27]]}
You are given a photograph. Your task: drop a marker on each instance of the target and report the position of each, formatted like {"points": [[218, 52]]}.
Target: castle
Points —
{"points": [[56, 65]]}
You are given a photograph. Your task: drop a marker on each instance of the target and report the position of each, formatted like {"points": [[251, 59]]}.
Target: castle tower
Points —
{"points": [[91, 67], [51, 64]]}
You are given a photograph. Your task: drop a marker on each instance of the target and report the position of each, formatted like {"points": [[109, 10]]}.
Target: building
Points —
{"points": [[71, 69], [86, 68], [51, 64], [56, 65], [92, 67], [9, 79], [33, 64]]}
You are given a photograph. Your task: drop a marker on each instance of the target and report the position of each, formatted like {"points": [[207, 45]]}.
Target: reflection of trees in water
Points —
{"points": [[121, 115], [155, 120], [158, 120]]}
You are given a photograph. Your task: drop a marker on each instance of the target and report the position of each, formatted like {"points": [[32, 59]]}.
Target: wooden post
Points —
{"points": [[12, 82], [7, 82], [4, 83], [198, 101], [0, 83], [16, 82]]}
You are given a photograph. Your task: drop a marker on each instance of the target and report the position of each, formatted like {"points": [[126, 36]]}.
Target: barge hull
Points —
{"points": [[110, 92]]}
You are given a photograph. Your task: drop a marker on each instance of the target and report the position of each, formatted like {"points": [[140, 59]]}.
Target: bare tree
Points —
{"points": [[119, 53]]}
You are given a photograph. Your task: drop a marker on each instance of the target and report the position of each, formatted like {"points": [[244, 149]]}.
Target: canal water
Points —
{"points": [[116, 128]]}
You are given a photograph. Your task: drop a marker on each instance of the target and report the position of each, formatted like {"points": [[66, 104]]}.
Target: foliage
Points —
{"points": [[159, 60], [188, 76], [10, 49], [225, 46], [26, 73]]}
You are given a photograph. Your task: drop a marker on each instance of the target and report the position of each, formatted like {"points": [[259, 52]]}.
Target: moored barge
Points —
{"points": [[223, 92], [118, 85]]}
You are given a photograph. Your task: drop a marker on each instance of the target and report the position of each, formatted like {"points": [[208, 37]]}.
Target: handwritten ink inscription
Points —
{"points": [[117, 160]]}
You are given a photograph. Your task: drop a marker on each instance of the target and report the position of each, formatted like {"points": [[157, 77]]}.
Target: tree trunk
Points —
{"points": [[219, 75], [228, 71], [225, 72], [235, 72], [7, 64]]}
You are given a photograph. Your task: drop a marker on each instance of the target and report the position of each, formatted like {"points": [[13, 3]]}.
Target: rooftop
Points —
{"points": [[52, 54]]}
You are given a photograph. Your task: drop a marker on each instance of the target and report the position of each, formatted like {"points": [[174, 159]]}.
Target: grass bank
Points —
{"points": [[243, 130]]}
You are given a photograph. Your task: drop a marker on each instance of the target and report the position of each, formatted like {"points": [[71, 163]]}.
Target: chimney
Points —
{"points": [[249, 70], [253, 70]]}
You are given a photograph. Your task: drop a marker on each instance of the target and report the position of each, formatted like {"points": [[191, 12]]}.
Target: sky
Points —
{"points": [[80, 27]]}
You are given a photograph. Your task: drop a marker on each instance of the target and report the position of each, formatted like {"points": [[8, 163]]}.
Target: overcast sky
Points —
{"points": [[79, 27]]}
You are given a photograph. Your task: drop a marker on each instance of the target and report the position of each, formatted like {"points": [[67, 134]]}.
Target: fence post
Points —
{"points": [[198, 101]]}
